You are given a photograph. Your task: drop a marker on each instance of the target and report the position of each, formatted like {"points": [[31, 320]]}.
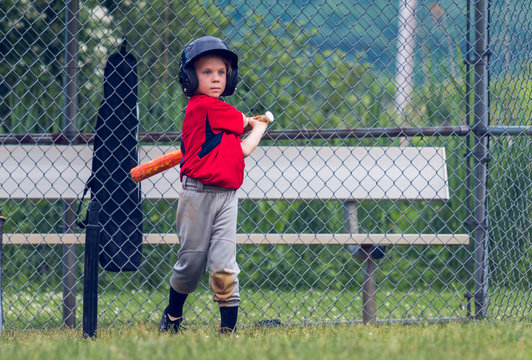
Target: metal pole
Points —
{"points": [[369, 294], [480, 156], [69, 267], [369, 282], [2, 221], [90, 278], [289, 134], [468, 295], [405, 61], [70, 132]]}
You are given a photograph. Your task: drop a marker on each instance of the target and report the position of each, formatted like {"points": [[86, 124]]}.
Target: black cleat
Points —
{"points": [[169, 326], [226, 331]]}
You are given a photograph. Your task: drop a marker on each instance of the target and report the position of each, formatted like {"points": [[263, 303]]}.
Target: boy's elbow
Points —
{"points": [[246, 150]]}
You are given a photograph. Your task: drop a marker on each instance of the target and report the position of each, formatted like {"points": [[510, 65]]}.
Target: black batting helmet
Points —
{"points": [[203, 46]]}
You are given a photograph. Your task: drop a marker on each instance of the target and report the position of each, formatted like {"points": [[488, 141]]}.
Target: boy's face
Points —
{"points": [[212, 75]]}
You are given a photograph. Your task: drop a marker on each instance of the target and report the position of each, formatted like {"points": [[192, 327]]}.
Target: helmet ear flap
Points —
{"points": [[188, 80], [232, 79]]}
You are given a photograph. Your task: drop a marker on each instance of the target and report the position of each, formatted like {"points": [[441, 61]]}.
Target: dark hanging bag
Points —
{"points": [[115, 154]]}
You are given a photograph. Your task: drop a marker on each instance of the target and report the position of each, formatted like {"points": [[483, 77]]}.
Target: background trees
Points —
{"points": [[314, 64]]}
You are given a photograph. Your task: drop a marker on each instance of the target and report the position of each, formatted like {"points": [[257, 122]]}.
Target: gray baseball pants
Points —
{"points": [[206, 226]]}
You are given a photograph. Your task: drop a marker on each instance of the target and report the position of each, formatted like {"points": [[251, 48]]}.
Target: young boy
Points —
{"points": [[212, 169]]}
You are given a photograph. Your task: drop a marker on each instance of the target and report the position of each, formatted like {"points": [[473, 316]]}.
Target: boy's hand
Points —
{"points": [[266, 118], [253, 123]]}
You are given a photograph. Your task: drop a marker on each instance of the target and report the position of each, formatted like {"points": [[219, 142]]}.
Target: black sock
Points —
{"points": [[228, 317], [175, 304]]}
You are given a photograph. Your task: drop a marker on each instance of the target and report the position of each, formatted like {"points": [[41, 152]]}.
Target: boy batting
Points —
{"points": [[212, 169]]}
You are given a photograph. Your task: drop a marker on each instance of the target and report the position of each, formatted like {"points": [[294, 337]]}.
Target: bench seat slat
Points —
{"points": [[261, 239]]}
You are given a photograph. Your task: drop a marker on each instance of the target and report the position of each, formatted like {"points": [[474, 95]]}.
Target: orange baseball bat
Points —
{"points": [[155, 166]]}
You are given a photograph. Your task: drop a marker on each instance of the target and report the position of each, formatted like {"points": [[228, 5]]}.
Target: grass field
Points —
{"points": [[42, 310], [471, 340]]}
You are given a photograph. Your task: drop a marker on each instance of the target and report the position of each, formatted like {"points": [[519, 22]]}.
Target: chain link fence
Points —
{"points": [[406, 74]]}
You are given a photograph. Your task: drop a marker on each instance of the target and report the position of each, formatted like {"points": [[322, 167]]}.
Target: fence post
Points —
{"points": [[481, 156], [2, 221], [90, 274], [70, 131]]}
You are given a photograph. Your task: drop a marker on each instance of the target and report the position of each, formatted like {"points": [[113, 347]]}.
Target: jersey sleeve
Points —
{"points": [[224, 117]]}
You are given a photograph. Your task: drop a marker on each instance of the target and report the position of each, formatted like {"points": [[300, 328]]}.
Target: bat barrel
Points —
{"points": [[156, 165]]}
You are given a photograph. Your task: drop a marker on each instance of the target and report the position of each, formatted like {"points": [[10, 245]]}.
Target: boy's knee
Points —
{"points": [[188, 272], [183, 285], [224, 283]]}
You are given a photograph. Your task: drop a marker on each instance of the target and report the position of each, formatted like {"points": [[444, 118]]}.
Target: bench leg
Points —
{"points": [[369, 292], [369, 287], [69, 268]]}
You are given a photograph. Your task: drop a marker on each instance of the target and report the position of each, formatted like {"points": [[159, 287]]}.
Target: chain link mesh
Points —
{"points": [[319, 67]]}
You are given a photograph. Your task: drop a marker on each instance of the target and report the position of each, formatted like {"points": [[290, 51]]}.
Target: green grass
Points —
{"points": [[44, 310], [25, 310], [471, 340]]}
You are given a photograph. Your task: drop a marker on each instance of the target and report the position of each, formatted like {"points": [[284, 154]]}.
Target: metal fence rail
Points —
{"points": [[449, 74]]}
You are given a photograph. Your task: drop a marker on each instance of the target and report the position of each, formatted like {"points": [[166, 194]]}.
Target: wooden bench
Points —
{"points": [[287, 173]]}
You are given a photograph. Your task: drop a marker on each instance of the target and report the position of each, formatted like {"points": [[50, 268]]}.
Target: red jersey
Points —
{"points": [[211, 143]]}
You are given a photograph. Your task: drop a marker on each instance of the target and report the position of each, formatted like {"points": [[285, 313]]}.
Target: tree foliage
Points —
{"points": [[282, 69]]}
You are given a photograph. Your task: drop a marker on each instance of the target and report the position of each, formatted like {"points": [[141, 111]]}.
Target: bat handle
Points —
{"points": [[267, 118]]}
